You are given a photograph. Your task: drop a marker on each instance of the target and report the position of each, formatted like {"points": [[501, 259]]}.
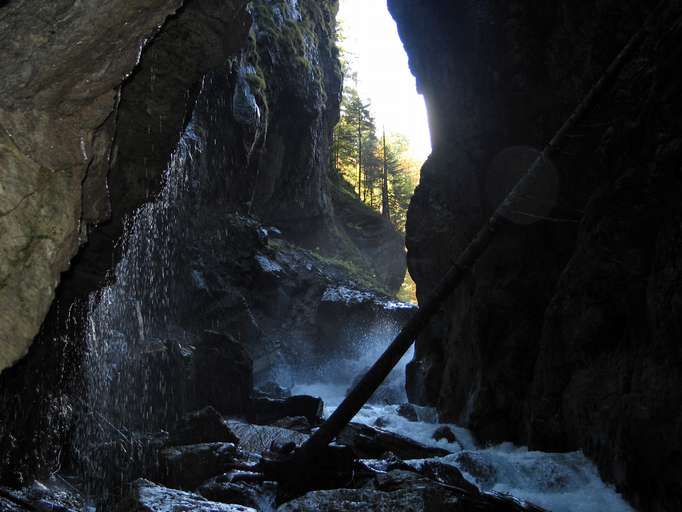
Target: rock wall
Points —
{"points": [[565, 335], [62, 65], [94, 102], [65, 99], [294, 70]]}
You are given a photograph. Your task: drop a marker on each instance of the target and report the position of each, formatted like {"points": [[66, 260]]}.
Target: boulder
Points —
{"points": [[381, 422], [373, 443], [146, 496], [113, 464], [479, 468], [397, 479], [273, 390], [203, 426], [40, 498], [343, 500], [221, 374], [9, 506], [444, 432], [297, 423], [446, 474], [223, 490], [392, 462], [268, 410], [429, 498], [346, 312], [328, 467], [408, 412], [258, 438], [186, 467], [401, 490], [160, 367]]}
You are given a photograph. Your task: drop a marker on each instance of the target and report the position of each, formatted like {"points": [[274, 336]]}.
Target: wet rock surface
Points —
{"points": [[270, 410], [86, 142], [70, 68], [146, 496], [446, 474], [297, 423], [444, 433], [223, 490], [203, 426], [428, 499], [276, 298], [373, 443], [40, 497], [219, 476], [186, 467], [273, 390], [222, 374], [259, 438]]}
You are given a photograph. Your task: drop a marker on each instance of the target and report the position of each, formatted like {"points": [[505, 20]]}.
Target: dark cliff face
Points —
{"points": [[565, 337], [95, 84]]}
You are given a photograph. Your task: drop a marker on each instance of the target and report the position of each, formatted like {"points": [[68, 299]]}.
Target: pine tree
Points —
{"points": [[352, 131], [385, 208], [402, 173], [380, 170]]}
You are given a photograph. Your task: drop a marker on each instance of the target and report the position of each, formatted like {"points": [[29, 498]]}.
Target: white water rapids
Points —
{"points": [[560, 482]]}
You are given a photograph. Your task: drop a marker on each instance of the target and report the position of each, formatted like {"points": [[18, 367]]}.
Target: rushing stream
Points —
{"points": [[560, 482]]}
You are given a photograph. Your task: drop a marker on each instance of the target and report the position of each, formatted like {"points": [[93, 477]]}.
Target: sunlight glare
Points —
{"points": [[375, 51]]}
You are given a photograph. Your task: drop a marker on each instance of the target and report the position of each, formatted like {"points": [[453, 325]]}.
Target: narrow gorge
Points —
{"points": [[190, 286]]}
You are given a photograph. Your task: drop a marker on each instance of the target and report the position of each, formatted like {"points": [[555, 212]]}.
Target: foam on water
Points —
{"points": [[561, 482]]}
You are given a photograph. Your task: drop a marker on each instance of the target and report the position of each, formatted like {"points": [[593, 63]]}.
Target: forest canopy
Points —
{"points": [[375, 161]]}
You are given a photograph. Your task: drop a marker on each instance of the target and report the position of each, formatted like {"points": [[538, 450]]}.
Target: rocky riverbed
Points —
{"points": [[400, 458]]}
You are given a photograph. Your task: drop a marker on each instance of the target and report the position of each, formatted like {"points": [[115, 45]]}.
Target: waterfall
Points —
{"points": [[133, 343]]}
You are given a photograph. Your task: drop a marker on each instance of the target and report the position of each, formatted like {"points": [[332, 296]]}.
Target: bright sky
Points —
{"points": [[376, 53]]}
